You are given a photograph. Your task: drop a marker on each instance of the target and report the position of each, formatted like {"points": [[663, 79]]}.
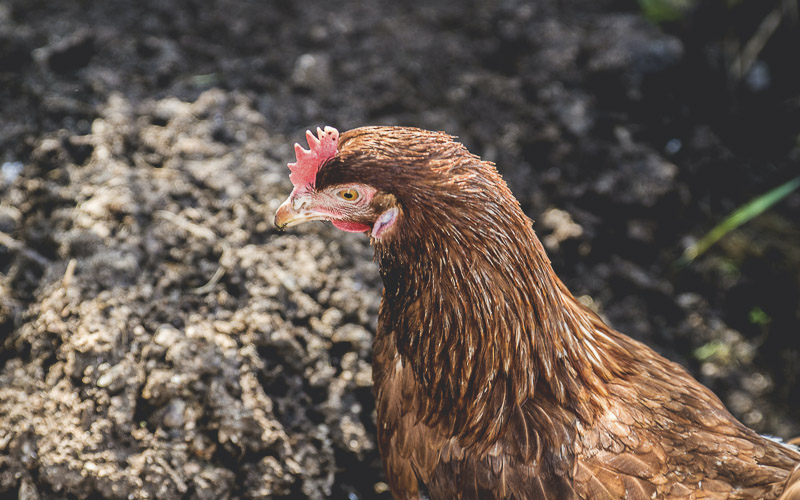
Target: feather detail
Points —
{"points": [[792, 488]]}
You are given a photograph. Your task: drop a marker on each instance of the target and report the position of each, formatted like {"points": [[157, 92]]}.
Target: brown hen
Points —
{"points": [[491, 379]]}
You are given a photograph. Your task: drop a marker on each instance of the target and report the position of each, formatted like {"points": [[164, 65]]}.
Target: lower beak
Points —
{"points": [[287, 216]]}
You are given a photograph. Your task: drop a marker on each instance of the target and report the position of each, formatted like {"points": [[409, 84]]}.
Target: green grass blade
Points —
{"points": [[737, 218], [660, 11]]}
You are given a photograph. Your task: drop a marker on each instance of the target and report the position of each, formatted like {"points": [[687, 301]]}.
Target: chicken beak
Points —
{"points": [[288, 216]]}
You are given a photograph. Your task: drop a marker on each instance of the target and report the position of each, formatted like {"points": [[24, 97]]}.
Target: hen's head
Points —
{"points": [[369, 179], [350, 205]]}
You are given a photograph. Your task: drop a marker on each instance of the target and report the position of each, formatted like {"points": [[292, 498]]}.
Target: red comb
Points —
{"points": [[321, 149]]}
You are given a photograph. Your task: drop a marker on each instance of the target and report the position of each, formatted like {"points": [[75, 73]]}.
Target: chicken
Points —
{"points": [[491, 379]]}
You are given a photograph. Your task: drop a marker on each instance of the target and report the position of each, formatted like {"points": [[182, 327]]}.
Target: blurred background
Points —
{"points": [[159, 339]]}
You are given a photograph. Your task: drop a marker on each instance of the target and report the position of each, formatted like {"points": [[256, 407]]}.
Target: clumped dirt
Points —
{"points": [[159, 339]]}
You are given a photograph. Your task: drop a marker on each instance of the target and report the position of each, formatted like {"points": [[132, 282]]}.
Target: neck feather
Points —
{"points": [[477, 311]]}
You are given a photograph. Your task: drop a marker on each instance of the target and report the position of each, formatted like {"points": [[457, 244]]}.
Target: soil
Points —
{"points": [[160, 339]]}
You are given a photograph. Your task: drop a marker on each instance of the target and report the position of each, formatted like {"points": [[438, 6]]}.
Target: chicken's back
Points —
{"points": [[664, 435]]}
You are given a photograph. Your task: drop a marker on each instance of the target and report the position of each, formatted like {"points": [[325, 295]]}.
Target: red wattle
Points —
{"points": [[350, 227]]}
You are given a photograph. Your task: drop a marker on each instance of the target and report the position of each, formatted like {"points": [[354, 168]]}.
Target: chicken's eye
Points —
{"points": [[348, 194]]}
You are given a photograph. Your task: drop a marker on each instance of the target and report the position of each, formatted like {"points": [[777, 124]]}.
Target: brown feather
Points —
{"points": [[492, 381], [792, 488]]}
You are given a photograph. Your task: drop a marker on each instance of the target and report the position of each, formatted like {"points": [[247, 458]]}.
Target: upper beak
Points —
{"points": [[288, 216]]}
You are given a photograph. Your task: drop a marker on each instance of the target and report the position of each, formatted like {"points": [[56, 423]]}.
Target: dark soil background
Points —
{"points": [[159, 339]]}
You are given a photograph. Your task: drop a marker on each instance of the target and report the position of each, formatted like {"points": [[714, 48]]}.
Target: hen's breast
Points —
{"points": [[407, 447], [424, 459]]}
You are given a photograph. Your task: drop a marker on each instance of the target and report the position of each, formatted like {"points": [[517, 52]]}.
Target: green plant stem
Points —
{"points": [[737, 218]]}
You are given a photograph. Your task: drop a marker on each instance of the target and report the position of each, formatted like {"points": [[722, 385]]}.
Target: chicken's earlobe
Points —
{"points": [[384, 222]]}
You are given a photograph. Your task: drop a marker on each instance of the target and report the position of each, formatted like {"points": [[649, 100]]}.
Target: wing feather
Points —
{"points": [[792, 489], [599, 484]]}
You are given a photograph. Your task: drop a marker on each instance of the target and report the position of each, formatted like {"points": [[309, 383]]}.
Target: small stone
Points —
{"points": [[114, 379], [174, 415], [27, 490], [312, 71], [167, 335]]}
